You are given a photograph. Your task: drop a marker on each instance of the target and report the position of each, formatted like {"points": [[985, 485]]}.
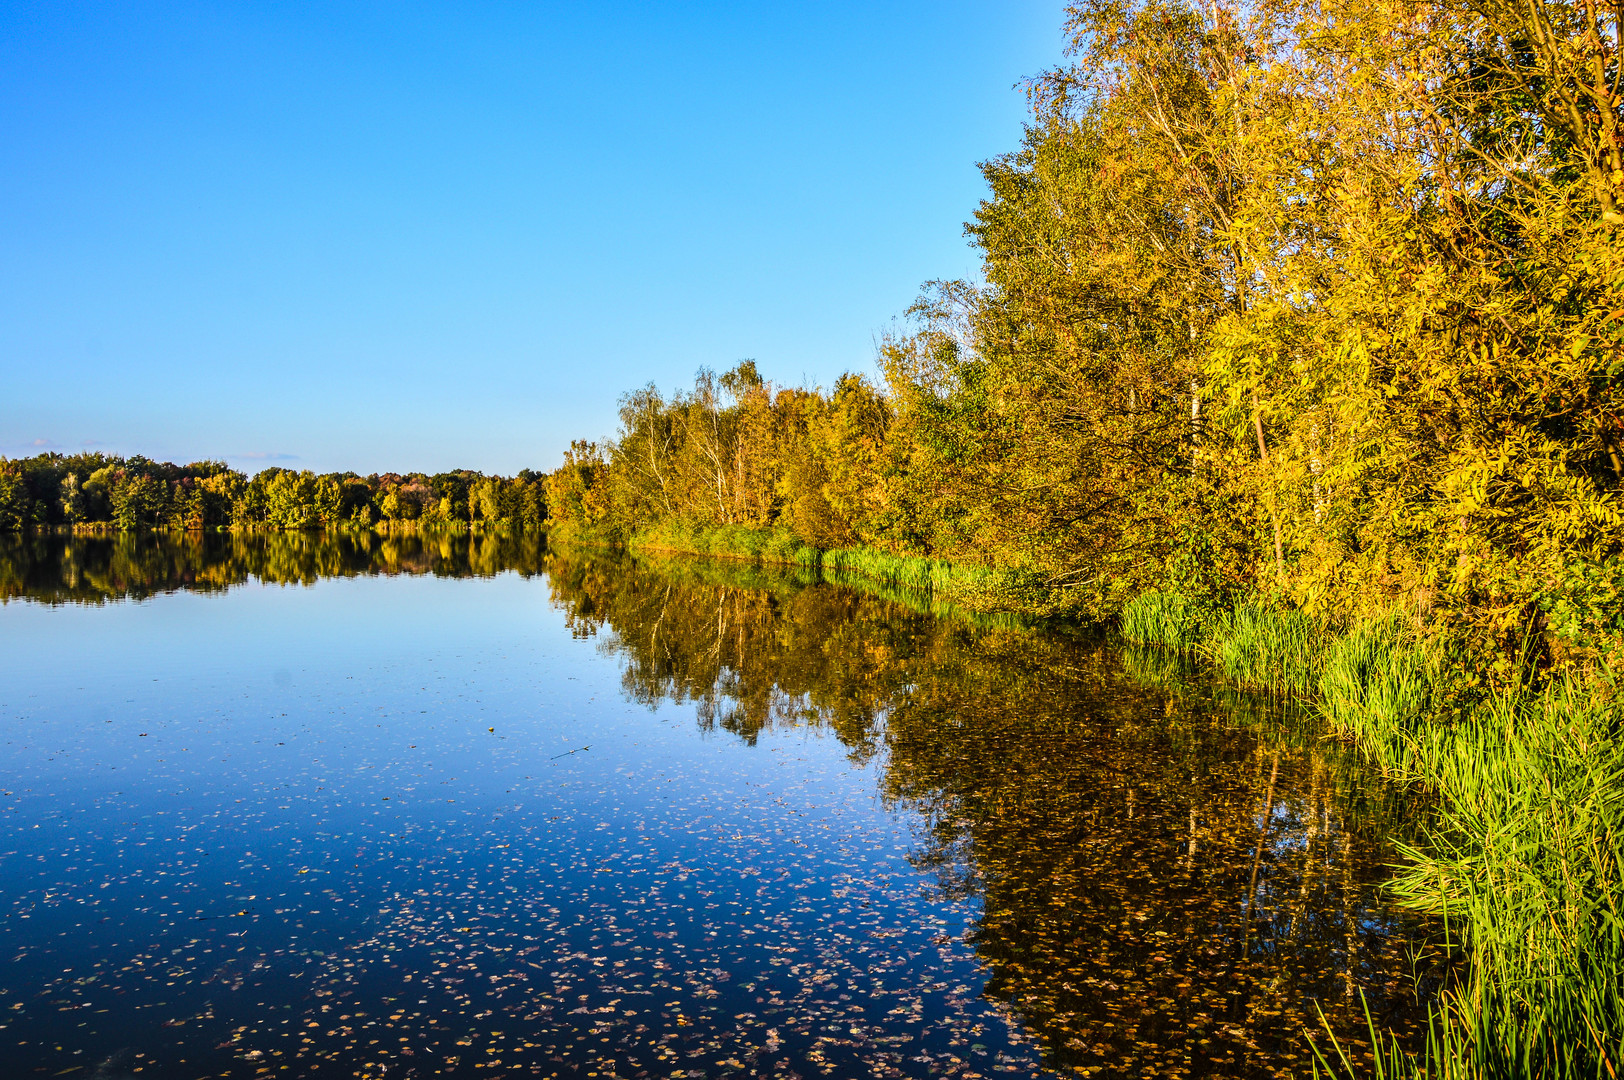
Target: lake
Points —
{"points": [[453, 806]]}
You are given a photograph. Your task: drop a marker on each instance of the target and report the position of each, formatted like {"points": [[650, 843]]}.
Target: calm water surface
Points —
{"points": [[305, 807]]}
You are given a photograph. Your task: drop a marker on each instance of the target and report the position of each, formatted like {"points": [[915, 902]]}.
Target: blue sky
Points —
{"points": [[424, 236]]}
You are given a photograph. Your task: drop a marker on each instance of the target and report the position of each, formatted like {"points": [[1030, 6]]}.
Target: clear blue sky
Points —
{"points": [[424, 236]]}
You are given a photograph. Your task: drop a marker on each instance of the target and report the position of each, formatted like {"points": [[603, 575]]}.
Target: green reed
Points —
{"points": [[1164, 618], [1263, 646], [1524, 861], [1379, 685], [931, 575], [973, 588], [1254, 643], [727, 542], [1524, 867]]}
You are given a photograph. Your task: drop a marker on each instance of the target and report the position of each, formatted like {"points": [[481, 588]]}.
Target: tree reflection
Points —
{"points": [[60, 569], [1176, 878]]}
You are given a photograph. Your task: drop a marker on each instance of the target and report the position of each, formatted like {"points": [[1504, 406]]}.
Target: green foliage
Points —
{"points": [[977, 586], [15, 505], [1527, 865], [775, 546], [1584, 614], [931, 582], [1379, 684], [577, 491], [1524, 858]]}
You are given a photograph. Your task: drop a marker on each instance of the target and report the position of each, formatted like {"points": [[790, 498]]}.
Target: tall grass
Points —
{"points": [[1263, 646], [1523, 863], [1164, 618], [1527, 863], [1379, 685], [974, 589], [930, 575], [727, 542], [926, 586], [1253, 643]]}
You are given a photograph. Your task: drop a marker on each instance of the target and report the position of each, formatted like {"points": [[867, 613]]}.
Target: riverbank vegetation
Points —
{"points": [[1300, 347], [1524, 864], [98, 491], [1306, 302]]}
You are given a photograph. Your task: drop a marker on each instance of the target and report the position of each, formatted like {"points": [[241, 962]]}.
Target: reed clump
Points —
{"points": [[1380, 685], [1169, 619], [1260, 645], [774, 546], [1255, 643], [928, 575], [1523, 863], [1524, 860]]}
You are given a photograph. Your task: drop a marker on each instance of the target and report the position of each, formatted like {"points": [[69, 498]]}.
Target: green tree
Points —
{"points": [[15, 505]]}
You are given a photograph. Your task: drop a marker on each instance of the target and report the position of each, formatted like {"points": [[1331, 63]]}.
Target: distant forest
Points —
{"points": [[90, 490]]}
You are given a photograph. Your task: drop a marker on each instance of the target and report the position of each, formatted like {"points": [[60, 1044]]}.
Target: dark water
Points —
{"points": [[467, 808]]}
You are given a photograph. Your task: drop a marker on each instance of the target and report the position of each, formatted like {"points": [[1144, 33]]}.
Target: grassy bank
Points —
{"points": [[980, 597], [1523, 864], [772, 546], [1253, 643], [974, 589]]}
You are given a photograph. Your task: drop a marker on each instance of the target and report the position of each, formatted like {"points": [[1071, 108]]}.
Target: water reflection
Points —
{"points": [[1175, 877], [59, 569], [1156, 875]]}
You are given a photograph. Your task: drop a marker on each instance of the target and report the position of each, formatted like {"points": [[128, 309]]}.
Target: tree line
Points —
{"points": [[1314, 299], [1298, 344], [135, 493], [1317, 299]]}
